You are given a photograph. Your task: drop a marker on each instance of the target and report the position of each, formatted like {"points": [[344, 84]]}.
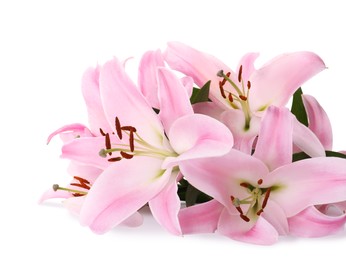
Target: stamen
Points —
{"points": [[132, 142], [242, 97], [83, 183], [240, 72], [260, 181], [102, 133], [259, 212], [81, 179], [230, 98], [126, 155], [114, 159], [118, 128], [108, 143], [244, 184], [129, 128], [222, 90], [248, 85], [266, 197], [245, 218]]}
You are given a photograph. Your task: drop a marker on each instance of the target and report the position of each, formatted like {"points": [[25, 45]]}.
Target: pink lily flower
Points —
{"points": [[259, 193], [246, 93], [139, 149]]}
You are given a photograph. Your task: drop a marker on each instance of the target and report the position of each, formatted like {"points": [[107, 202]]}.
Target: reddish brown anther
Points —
{"points": [[248, 85], [266, 197], [83, 183], [114, 159], [126, 155], [108, 143], [242, 97], [259, 212], [245, 218], [230, 97], [240, 72], [260, 181], [244, 184], [102, 132], [222, 91], [118, 128]]}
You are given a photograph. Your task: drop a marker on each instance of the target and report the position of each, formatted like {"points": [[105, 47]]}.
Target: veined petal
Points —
{"points": [[206, 137], [92, 98], [201, 66], [308, 182], [275, 82], [86, 151], [318, 121], [313, 223], [306, 140], [259, 232], [166, 205], [220, 177], [200, 218], [147, 79], [121, 190], [69, 132], [274, 144], [122, 99], [243, 138], [173, 98]]}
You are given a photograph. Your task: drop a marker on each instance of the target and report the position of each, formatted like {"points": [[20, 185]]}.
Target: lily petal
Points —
{"points": [[86, 151], [200, 218], [275, 82], [206, 137], [173, 98], [135, 220], [306, 140], [69, 132], [275, 215], [87, 172], [319, 122], [247, 63], [92, 98], [147, 79], [166, 205], [121, 190], [261, 232], [274, 144], [122, 99], [220, 177], [308, 182], [313, 223]]}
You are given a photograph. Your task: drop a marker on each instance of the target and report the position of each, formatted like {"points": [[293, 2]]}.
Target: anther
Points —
{"points": [[222, 90], [244, 184], [266, 197], [230, 98], [240, 72], [260, 181], [108, 143], [126, 155], [131, 140], [259, 212], [248, 85], [102, 133], [245, 218], [83, 183], [118, 128], [242, 97], [129, 128], [114, 159]]}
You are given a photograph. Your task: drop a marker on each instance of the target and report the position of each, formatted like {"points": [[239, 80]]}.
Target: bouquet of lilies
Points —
{"points": [[206, 148]]}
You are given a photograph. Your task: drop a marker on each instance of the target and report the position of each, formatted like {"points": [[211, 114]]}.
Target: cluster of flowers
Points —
{"points": [[215, 150]]}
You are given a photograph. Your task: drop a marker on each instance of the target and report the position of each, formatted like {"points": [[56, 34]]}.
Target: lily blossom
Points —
{"points": [[140, 149], [246, 93], [260, 193]]}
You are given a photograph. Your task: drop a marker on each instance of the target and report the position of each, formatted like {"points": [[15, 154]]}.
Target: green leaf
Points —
{"points": [[335, 154], [298, 108], [200, 94], [191, 195]]}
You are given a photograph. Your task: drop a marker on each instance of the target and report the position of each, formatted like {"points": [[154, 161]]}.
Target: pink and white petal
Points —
{"points": [[319, 122], [258, 232], [173, 98], [200, 218], [74, 204], [166, 205], [87, 172], [70, 132], [306, 140], [209, 109], [206, 137], [51, 194], [86, 151], [308, 182], [135, 220], [276, 81], [92, 98], [247, 63], [188, 84], [220, 177], [275, 215], [147, 76], [122, 99], [201, 66], [243, 138], [313, 223], [274, 144], [121, 190]]}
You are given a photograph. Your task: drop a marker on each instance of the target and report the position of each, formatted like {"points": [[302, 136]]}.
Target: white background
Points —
{"points": [[44, 48]]}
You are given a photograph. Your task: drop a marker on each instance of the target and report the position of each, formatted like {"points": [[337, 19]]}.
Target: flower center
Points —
{"points": [[255, 202], [136, 145], [238, 96], [80, 183]]}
